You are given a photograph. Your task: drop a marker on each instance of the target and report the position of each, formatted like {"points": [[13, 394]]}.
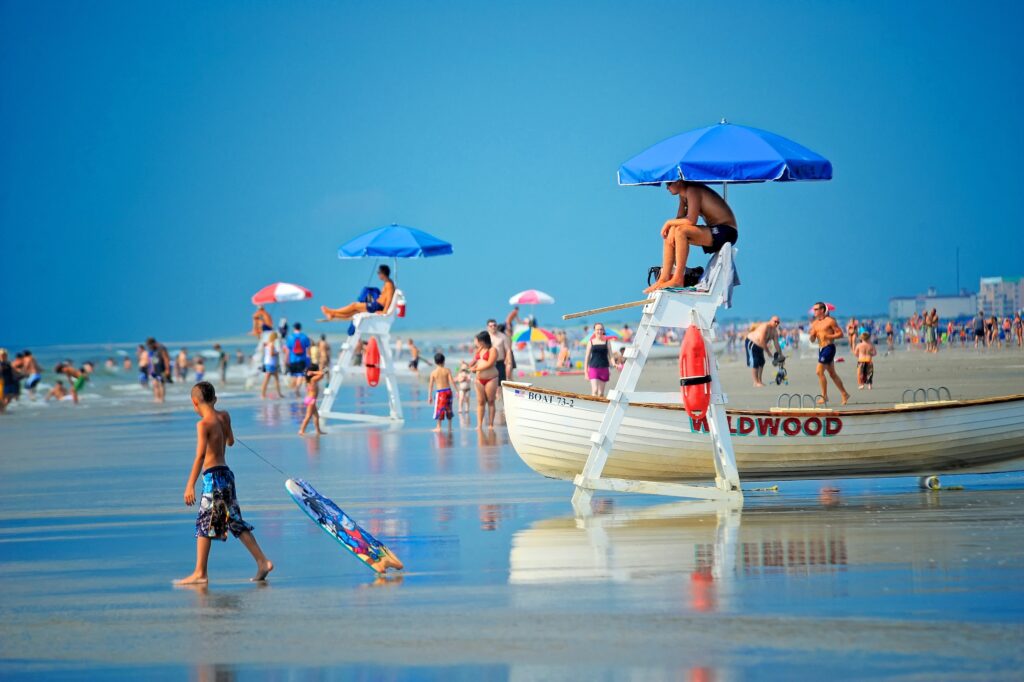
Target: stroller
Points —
{"points": [[779, 362]]}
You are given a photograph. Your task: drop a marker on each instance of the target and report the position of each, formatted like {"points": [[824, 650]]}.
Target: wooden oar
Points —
{"points": [[606, 309]]}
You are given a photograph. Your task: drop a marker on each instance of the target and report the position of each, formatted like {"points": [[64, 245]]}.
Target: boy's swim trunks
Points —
{"points": [[218, 508], [442, 404]]}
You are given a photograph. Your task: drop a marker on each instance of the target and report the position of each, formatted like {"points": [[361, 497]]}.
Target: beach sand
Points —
{"points": [[883, 580], [965, 373]]}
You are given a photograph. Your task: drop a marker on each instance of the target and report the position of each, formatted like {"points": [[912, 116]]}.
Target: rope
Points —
{"points": [[240, 441]]}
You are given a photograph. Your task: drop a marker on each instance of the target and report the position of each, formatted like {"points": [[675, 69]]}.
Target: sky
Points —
{"points": [[160, 162]]}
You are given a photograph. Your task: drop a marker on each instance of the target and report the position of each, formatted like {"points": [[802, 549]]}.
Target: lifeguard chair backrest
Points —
{"points": [[393, 306]]}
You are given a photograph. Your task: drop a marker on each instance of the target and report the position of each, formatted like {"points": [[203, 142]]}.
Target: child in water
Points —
{"points": [[218, 506], [439, 392], [313, 377], [865, 352]]}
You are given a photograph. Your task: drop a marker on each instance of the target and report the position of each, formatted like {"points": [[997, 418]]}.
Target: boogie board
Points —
{"points": [[340, 526]]}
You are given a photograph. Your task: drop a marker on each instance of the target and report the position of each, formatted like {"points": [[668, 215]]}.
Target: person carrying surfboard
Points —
{"points": [[218, 506]]}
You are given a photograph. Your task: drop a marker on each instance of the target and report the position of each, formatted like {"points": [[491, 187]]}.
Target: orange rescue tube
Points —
{"points": [[371, 360], [694, 374]]}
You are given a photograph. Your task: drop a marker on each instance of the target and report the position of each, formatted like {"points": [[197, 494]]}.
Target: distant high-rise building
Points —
{"points": [[1001, 296]]}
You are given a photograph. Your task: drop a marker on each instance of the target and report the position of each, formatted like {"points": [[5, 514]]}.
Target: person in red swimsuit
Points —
{"points": [[486, 378]]}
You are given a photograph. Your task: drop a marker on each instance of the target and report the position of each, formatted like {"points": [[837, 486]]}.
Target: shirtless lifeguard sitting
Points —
{"points": [[380, 306], [695, 201], [261, 321]]}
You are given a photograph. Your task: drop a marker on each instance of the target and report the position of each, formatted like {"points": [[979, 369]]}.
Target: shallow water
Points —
{"points": [[503, 582]]}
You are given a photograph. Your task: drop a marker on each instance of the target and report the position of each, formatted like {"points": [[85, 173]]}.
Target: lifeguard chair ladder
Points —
{"points": [[368, 325], [677, 309]]}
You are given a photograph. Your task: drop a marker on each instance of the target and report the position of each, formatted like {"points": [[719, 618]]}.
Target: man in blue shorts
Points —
{"points": [[757, 342], [825, 330], [298, 356]]}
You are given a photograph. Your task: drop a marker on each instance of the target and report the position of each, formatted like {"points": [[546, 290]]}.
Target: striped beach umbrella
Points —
{"points": [[531, 297], [533, 335], [280, 292]]}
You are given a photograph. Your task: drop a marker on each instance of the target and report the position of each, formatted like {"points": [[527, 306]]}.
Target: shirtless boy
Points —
{"points": [[380, 306], [825, 330], [218, 507], [33, 374], [439, 392], [756, 344], [865, 352], [695, 201]]}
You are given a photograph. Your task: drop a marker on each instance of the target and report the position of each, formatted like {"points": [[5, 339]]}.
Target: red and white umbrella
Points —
{"points": [[531, 297], [280, 292]]}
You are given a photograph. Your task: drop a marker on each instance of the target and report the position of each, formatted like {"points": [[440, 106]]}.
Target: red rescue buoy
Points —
{"points": [[694, 374], [371, 360]]}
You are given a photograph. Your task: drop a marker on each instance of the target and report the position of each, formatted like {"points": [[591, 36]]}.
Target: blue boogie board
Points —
{"points": [[341, 527]]}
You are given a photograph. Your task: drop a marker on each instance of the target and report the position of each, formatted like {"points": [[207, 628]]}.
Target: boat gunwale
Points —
{"points": [[776, 412]]}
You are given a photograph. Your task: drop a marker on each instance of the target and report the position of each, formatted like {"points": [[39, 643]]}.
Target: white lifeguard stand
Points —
{"points": [[368, 325], [678, 309]]}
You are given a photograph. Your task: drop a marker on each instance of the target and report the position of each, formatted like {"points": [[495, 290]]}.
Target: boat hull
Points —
{"points": [[550, 430]]}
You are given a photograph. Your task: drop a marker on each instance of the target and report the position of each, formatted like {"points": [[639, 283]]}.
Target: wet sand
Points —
{"points": [[883, 580]]}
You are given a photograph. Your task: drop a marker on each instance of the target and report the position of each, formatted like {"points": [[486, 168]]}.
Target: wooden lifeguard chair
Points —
{"points": [[367, 326], [677, 309]]}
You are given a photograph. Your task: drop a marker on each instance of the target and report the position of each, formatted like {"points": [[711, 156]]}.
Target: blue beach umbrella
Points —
{"points": [[395, 241], [725, 153]]}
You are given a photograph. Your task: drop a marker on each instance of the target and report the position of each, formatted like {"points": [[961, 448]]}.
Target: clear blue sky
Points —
{"points": [[162, 161]]}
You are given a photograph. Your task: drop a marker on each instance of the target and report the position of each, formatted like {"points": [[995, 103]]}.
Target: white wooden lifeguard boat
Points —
{"points": [[551, 430], [645, 442]]}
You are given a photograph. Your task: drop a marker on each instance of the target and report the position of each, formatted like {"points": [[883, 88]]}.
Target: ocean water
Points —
{"points": [[882, 580]]}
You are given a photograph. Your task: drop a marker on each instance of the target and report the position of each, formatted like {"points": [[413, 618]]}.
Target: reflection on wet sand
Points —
{"points": [[708, 541]]}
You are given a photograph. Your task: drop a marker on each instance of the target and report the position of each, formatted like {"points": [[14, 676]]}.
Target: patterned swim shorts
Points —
{"points": [[443, 404], [218, 507]]}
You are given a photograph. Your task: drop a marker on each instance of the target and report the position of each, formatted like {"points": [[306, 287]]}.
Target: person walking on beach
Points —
{"points": [[979, 331], [463, 384], [695, 201], [597, 361], [503, 345], [757, 343], [298, 345], [825, 331], [484, 361], [324, 353], [271, 368], [851, 332], [439, 392], [218, 506], [889, 341], [313, 377], [159, 365], [414, 356], [865, 353], [222, 363], [379, 306], [1018, 329]]}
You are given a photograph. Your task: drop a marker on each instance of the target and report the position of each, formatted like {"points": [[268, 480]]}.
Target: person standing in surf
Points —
{"points": [[825, 330], [218, 506]]}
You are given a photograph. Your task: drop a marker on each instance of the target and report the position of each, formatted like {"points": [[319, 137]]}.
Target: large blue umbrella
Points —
{"points": [[725, 153], [395, 241]]}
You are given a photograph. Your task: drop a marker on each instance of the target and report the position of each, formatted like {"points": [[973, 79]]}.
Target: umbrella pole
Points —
{"points": [[725, 192]]}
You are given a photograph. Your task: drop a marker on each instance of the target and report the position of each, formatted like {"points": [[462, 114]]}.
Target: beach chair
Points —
{"points": [[367, 326]]}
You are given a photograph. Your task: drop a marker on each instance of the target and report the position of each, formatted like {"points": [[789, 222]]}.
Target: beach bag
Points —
{"points": [[690, 278]]}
